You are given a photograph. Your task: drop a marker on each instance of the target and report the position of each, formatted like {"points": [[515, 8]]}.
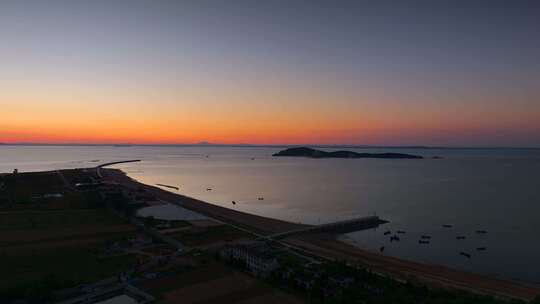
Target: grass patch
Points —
{"points": [[35, 273], [21, 187], [50, 243], [55, 219]]}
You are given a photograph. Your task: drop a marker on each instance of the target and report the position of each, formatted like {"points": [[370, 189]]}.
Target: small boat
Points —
{"points": [[381, 249], [423, 242], [401, 232], [447, 226], [233, 202], [388, 232], [460, 237], [467, 255], [425, 237], [481, 231], [394, 238], [481, 248]]}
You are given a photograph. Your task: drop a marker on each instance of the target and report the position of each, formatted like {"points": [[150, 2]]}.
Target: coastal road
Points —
{"points": [[64, 180]]}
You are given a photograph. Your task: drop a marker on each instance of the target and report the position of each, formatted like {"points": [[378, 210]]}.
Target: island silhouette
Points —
{"points": [[314, 153]]}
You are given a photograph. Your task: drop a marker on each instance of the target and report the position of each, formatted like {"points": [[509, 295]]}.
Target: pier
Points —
{"points": [[345, 226], [98, 168]]}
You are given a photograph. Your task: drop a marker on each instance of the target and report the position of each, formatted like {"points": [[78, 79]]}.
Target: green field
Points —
{"points": [[36, 273], [49, 244]]}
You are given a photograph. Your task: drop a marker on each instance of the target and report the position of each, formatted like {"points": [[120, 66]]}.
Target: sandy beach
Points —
{"points": [[259, 224], [329, 246]]}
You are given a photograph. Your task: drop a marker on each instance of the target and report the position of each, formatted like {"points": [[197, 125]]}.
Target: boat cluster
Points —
{"points": [[426, 239]]}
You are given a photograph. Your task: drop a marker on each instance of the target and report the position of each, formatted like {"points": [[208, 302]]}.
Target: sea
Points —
{"points": [[496, 190]]}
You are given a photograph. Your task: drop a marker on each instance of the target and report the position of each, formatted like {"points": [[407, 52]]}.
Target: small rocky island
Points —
{"points": [[313, 153]]}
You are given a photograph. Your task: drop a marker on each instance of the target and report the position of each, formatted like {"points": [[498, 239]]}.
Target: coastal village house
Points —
{"points": [[257, 256]]}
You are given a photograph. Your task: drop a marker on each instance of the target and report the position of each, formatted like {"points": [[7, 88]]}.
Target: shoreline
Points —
{"points": [[334, 247], [430, 274], [261, 224], [345, 240]]}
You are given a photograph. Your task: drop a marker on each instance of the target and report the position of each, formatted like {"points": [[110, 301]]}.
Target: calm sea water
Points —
{"points": [[497, 190]]}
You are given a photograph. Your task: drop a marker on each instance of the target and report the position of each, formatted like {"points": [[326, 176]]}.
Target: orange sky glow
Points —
{"points": [[181, 73]]}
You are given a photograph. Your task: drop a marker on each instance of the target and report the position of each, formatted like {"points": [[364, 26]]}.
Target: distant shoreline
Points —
{"points": [[322, 146]]}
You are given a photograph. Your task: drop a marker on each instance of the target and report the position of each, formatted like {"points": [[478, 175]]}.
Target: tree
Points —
{"points": [[149, 221]]}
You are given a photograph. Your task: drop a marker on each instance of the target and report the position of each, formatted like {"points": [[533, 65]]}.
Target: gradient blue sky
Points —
{"points": [[349, 72]]}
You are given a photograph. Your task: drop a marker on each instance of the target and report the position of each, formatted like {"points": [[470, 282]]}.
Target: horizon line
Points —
{"points": [[320, 145]]}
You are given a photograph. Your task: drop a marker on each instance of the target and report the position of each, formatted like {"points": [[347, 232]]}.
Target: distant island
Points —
{"points": [[313, 153]]}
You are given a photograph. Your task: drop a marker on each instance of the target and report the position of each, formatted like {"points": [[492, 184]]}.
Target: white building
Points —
{"points": [[258, 256]]}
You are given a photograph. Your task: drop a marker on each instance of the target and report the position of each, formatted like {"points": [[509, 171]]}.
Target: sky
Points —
{"points": [[441, 73]]}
